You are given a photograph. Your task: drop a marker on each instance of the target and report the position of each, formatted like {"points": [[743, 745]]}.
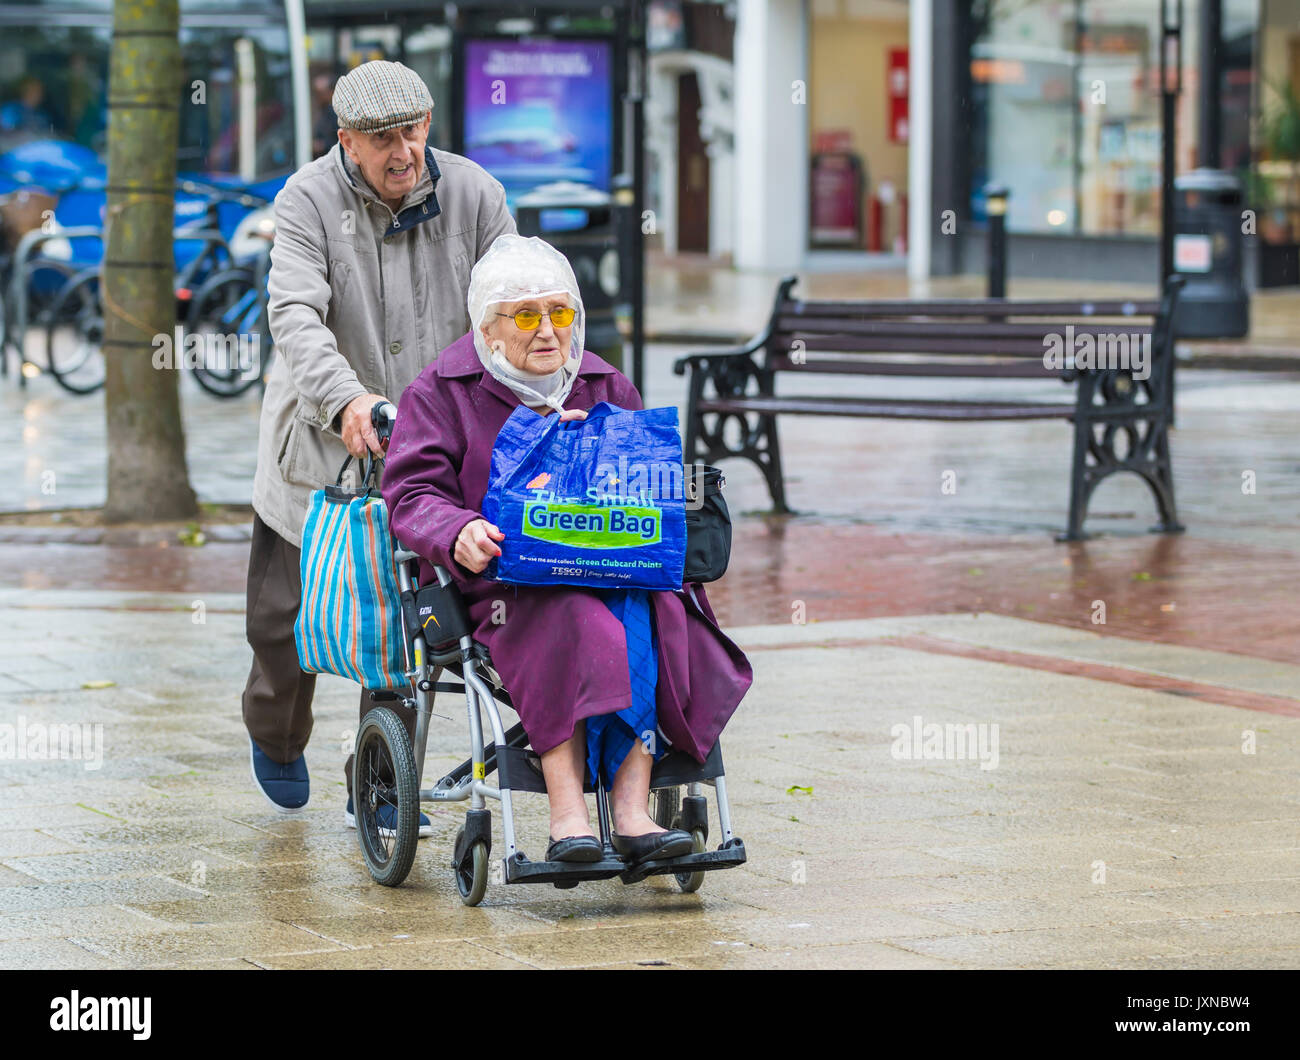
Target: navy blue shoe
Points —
{"points": [[286, 787], [387, 821]]}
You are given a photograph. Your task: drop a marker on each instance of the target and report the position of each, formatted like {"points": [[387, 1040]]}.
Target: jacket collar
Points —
{"points": [[420, 204]]}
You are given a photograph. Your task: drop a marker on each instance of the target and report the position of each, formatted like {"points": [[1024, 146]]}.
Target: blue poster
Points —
{"points": [[540, 111]]}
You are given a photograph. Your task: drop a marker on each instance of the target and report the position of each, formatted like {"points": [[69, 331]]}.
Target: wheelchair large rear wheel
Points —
{"points": [[386, 796], [667, 811]]}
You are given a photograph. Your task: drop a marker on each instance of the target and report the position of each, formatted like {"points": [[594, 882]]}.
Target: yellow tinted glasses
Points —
{"points": [[531, 320]]}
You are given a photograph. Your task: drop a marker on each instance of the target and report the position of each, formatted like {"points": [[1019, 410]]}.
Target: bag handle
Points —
{"points": [[369, 478], [597, 411], [383, 415]]}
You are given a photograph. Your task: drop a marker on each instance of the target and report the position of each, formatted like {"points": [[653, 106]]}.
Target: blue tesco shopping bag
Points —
{"points": [[350, 619], [597, 502]]}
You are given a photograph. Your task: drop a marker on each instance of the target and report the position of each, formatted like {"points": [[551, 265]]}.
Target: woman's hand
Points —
{"points": [[475, 545], [572, 414]]}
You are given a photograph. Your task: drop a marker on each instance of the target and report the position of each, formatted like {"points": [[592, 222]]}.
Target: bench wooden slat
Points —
{"points": [[790, 324], [1022, 369], [979, 308], [956, 345], [890, 408]]}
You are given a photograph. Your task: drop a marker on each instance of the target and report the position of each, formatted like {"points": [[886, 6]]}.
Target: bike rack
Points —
{"points": [[15, 321]]}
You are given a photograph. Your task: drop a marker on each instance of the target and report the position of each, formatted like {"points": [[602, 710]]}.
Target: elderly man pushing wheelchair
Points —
{"points": [[369, 275]]}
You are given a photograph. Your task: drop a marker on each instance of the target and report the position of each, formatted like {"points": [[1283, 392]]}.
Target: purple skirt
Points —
{"points": [[562, 656]]}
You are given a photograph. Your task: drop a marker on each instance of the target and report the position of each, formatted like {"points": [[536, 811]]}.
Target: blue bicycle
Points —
{"points": [[228, 324]]}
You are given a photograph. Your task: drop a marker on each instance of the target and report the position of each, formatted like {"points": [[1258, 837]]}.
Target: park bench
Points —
{"points": [[1121, 421]]}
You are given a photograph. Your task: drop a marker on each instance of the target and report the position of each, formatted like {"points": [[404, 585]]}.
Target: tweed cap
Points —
{"points": [[380, 95]]}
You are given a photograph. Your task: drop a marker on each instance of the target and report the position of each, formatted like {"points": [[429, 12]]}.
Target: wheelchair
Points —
{"points": [[388, 769]]}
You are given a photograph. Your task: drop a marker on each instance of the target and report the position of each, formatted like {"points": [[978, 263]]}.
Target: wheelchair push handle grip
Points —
{"points": [[383, 415]]}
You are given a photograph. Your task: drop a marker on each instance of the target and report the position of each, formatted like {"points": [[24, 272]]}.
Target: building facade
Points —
{"points": [[1058, 100]]}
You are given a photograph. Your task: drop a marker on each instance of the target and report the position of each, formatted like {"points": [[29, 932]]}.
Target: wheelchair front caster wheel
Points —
{"points": [[668, 810], [689, 882], [472, 873], [386, 797]]}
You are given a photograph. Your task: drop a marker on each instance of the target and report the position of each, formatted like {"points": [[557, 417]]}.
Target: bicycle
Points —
{"points": [[76, 360], [231, 310]]}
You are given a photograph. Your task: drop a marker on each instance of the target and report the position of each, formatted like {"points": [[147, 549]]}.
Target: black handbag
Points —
{"points": [[708, 525]]}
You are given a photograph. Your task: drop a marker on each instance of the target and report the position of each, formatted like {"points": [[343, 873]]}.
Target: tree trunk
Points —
{"points": [[147, 475]]}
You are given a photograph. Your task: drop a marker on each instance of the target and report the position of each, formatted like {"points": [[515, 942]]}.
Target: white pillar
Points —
{"points": [[661, 142], [296, 22], [722, 196], [920, 137], [718, 131], [771, 174]]}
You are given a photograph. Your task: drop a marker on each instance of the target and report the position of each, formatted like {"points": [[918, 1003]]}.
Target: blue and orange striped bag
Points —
{"points": [[350, 619]]}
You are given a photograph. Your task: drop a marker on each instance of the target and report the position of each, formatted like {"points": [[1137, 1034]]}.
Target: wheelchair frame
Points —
{"points": [[517, 767]]}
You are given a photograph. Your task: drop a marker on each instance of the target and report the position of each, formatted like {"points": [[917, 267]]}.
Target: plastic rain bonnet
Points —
{"points": [[515, 268]]}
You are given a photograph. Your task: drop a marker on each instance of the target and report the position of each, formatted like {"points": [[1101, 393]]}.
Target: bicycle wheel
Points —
{"points": [[74, 335], [227, 316], [386, 797], [45, 278]]}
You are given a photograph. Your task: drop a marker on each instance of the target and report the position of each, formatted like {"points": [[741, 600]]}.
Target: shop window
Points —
{"points": [[1067, 109]]}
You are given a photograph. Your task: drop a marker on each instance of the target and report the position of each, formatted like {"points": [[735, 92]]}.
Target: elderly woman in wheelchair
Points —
{"points": [[601, 690]]}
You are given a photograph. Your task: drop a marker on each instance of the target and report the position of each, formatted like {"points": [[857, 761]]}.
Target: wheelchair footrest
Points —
{"points": [[727, 856], [520, 870]]}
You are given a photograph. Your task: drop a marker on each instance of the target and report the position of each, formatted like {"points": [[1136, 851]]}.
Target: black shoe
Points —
{"points": [[582, 848], [653, 847]]}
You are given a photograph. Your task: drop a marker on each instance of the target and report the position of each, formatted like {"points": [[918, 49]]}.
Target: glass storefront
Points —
{"points": [[209, 134], [54, 64], [1066, 101]]}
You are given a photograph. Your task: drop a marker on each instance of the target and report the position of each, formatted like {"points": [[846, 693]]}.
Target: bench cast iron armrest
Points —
{"points": [[697, 361]]}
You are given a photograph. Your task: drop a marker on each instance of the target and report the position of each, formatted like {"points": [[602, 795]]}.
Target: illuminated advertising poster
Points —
{"points": [[539, 111]]}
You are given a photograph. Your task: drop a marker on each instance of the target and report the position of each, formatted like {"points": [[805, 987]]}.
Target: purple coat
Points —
{"points": [[560, 651]]}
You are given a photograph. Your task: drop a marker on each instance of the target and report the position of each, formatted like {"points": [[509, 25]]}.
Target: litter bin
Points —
{"points": [[1208, 253], [581, 223]]}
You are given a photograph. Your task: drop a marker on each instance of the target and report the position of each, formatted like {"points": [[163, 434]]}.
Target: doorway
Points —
{"points": [[692, 170]]}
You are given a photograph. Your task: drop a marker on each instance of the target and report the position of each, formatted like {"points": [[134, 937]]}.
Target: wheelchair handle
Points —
{"points": [[383, 415]]}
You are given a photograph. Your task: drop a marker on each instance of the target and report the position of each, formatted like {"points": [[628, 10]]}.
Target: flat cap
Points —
{"points": [[380, 95]]}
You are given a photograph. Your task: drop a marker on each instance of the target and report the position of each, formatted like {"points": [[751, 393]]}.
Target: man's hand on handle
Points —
{"points": [[358, 432], [476, 545]]}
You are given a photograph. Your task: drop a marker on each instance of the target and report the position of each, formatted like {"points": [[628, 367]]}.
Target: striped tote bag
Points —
{"points": [[350, 619]]}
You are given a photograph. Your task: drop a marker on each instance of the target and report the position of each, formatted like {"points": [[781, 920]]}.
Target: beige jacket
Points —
{"points": [[361, 301]]}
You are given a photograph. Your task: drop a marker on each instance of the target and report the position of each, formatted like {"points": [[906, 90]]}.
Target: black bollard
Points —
{"points": [[995, 195]]}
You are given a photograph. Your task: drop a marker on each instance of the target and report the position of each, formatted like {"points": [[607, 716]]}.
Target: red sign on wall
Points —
{"points": [[896, 91]]}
